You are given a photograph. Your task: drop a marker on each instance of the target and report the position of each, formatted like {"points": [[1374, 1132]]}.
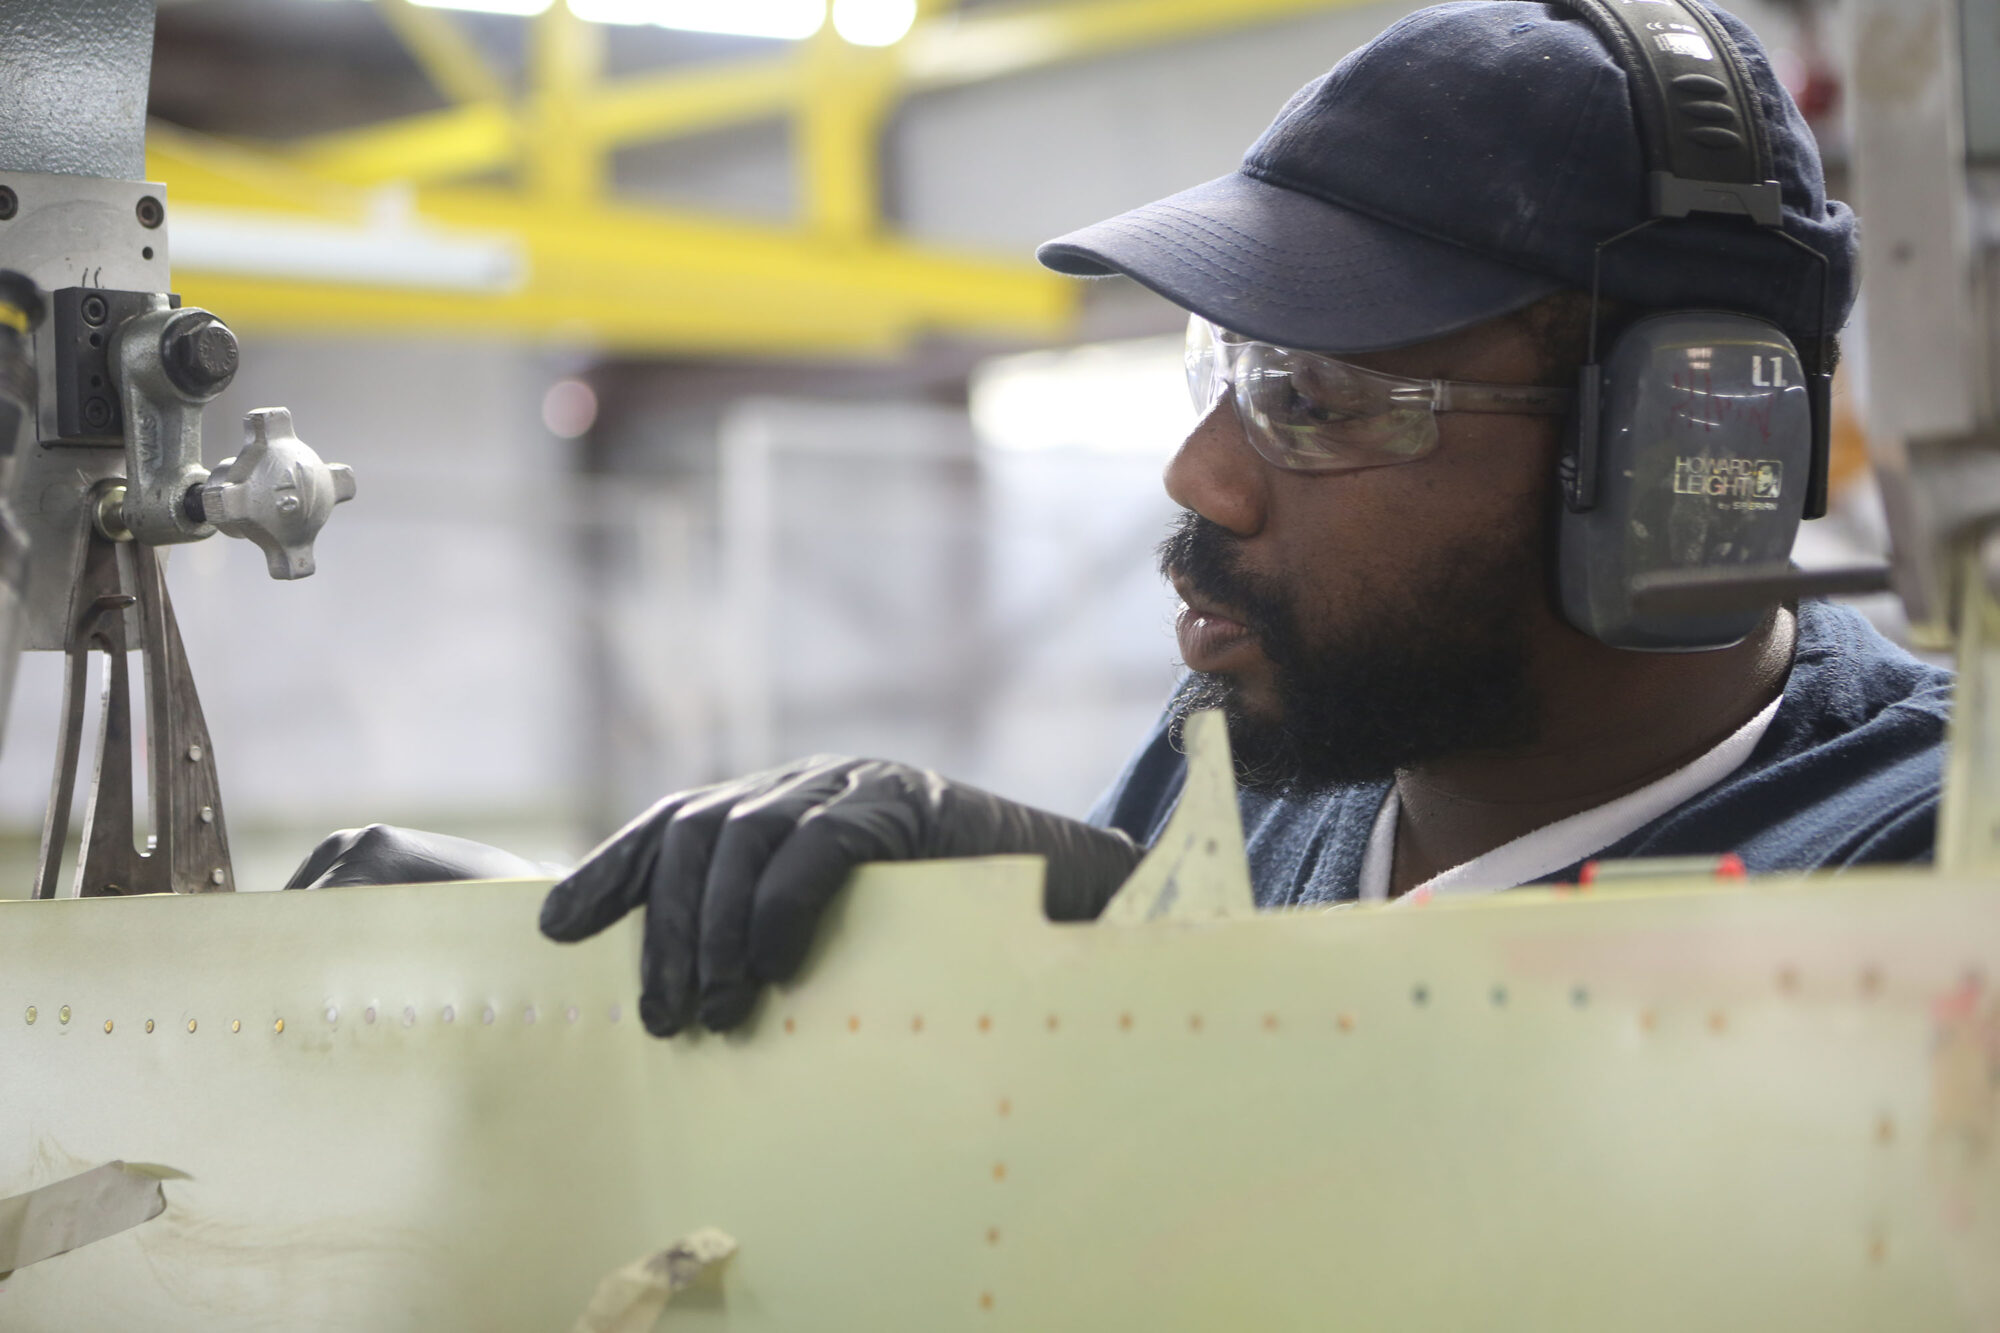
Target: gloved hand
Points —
{"points": [[384, 854], [734, 877]]}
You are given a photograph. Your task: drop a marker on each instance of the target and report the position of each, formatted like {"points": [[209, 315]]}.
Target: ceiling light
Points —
{"points": [[874, 22], [790, 19], [569, 409], [524, 8], [1125, 397], [786, 19], [381, 253]]}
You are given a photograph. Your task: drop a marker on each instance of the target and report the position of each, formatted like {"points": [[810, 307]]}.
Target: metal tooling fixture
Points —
{"points": [[1932, 252], [111, 470]]}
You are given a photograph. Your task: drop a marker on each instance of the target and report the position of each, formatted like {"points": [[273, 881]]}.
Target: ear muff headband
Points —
{"points": [[1707, 150], [1696, 106]]}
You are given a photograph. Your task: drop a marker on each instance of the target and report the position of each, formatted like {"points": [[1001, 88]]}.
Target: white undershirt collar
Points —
{"points": [[1567, 841]]}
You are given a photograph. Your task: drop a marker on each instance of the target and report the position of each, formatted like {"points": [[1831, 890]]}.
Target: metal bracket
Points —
{"points": [[168, 365], [1674, 196], [85, 322], [190, 849], [1940, 506]]}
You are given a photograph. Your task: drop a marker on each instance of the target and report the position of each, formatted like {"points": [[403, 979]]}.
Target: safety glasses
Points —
{"points": [[1310, 413]]}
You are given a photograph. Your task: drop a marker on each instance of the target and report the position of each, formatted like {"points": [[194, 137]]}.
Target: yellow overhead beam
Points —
{"points": [[615, 250], [430, 146], [656, 320], [565, 56], [622, 277], [451, 62], [677, 102], [941, 50], [850, 91], [200, 168]]}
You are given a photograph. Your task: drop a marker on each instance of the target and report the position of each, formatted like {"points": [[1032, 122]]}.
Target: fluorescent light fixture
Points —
{"points": [[863, 22], [789, 19], [874, 22], [523, 8], [1125, 397], [379, 254]]}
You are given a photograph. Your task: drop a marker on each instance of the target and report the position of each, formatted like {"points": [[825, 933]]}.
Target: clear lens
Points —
{"points": [[1316, 413], [1309, 412], [1204, 384]]}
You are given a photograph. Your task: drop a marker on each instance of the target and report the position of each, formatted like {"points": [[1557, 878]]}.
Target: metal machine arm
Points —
{"points": [[108, 390]]}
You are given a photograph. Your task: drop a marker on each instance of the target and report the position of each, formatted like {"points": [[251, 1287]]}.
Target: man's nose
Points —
{"points": [[1218, 475]]}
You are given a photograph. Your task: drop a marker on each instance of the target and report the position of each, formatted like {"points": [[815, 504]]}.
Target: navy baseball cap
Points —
{"points": [[1462, 165]]}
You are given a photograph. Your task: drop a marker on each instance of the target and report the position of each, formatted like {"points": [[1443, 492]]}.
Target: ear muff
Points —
{"points": [[1699, 441], [1700, 458]]}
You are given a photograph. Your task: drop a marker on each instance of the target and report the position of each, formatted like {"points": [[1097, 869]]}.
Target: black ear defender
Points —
{"points": [[1699, 440]]}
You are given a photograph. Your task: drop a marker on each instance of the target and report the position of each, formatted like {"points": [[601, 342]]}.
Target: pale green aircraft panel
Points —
{"points": [[1770, 1107]]}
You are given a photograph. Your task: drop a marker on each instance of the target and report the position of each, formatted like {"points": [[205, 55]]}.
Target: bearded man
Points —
{"points": [[1390, 302]]}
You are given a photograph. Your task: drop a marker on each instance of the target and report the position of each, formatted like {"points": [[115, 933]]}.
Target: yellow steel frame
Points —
{"points": [[640, 278]]}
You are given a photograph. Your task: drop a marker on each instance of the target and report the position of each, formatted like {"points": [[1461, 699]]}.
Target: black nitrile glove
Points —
{"points": [[734, 877], [385, 854]]}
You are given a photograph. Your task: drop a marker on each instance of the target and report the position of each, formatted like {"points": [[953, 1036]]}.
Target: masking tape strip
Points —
{"points": [[58, 1218], [630, 1299]]}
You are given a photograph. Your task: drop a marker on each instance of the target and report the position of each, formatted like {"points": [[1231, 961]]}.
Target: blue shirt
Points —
{"points": [[1847, 774]]}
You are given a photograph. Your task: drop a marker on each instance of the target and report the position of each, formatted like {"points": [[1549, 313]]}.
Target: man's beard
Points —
{"points": [[1433, 670]]}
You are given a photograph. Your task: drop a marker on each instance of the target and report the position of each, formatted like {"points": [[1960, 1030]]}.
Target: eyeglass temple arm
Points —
{"points": [[1524, 399]]}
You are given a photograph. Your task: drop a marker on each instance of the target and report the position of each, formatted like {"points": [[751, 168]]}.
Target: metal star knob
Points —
{"points": [[276, 492]]}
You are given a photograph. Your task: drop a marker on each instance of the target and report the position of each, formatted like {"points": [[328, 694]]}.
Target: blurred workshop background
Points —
{"points": [[706, 403]]}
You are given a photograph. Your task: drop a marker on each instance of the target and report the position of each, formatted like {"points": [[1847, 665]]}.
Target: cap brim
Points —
{"points": [[1284, 267]]}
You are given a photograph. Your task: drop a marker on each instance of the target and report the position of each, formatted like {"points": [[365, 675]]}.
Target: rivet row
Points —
{"points": [[448, 1014]]}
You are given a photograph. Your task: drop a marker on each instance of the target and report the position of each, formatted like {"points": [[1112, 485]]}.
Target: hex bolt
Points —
{"points": [[95, 310], [218, 877], [194, 754], [10, 203], [201, 354], [151, 212], [208, 814]]}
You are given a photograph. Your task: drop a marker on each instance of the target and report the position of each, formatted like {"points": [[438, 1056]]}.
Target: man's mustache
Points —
{"points": [[1204, 557]]}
